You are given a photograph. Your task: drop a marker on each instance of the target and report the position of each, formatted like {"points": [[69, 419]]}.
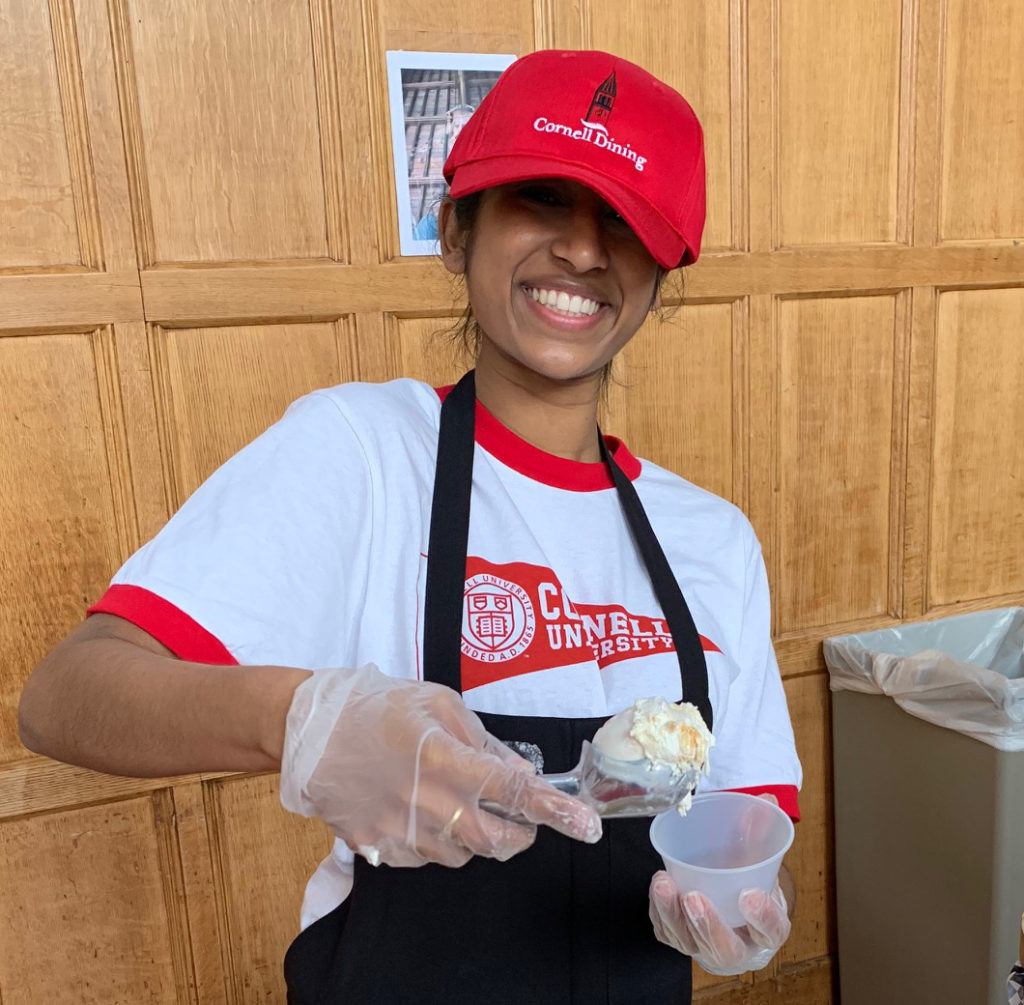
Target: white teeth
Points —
{"points": [[561, 301]]}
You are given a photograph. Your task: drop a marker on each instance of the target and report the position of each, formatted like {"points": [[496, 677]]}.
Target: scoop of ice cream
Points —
{"points": [[660, 731]]}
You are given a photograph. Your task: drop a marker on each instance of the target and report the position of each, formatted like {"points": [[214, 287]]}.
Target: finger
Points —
{"points": [[490, 836], [769, 797], [667, 918], [541, 803], [525, 794], [766, 916], [717, 942]]}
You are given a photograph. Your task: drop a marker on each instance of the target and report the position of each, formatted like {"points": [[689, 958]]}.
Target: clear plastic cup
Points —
{"points": [[727, 843]]}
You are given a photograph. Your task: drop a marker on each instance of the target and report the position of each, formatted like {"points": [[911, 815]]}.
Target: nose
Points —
{"points": [[581, 241]]}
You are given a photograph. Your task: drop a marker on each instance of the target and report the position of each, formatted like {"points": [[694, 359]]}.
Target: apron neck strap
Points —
{"points": [[449, 541]]}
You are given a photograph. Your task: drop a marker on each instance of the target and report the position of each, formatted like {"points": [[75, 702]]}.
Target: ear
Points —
{"points": [[453, 240]]}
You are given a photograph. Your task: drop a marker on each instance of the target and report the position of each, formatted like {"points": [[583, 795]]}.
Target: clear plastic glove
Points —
{"points": [[690, 924], [397, 769]]}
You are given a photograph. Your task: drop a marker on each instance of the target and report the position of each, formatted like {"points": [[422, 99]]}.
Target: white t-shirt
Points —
{"points": [[308, 549]]}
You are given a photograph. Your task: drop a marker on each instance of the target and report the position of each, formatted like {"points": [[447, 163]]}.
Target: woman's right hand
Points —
{"points": [[397, 769]]}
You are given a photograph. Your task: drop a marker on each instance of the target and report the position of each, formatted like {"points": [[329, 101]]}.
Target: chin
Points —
{"points": [[561, 370]]}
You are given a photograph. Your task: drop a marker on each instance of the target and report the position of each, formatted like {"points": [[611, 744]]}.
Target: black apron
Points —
{"points": [[562, 922]]}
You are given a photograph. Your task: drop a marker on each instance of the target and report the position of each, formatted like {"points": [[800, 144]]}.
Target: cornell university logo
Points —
{"points": [[498, 620]]}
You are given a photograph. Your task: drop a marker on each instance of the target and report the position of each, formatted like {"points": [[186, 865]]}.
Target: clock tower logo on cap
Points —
{"points": [[601, 106]]}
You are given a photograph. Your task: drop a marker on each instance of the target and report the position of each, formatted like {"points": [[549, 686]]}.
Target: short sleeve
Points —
{"points": [[262, 564], [754, 746]]}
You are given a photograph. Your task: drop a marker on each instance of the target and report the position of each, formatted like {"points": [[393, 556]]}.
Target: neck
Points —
{"points": [[559, 417]]}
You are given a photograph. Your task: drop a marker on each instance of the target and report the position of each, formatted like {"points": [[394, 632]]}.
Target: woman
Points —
{"points": [[342, 538]]}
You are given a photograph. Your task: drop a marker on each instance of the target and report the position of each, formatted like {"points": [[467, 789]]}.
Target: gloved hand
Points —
{"points": [[690, 924], [397, 769]]}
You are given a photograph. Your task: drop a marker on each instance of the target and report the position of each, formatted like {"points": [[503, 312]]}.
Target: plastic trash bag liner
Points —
{"points": [[965, 673]]}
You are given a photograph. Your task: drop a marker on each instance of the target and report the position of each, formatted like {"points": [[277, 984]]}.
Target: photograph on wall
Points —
{"points": [[432, 96]]}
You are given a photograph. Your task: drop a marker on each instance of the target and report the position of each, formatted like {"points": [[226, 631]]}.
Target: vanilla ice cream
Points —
{"points": [[666, 734]]}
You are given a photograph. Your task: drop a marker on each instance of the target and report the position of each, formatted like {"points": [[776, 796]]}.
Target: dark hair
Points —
{"points": [[465, 333]]}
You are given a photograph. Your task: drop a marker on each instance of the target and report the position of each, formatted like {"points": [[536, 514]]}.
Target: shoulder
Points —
{"points": [[396, 407], [694, 510]]}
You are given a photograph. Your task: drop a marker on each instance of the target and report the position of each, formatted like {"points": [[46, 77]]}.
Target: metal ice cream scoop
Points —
{"points": [[613, 787]]}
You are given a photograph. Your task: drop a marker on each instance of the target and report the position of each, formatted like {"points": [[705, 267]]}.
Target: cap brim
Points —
{"points": [[656, 234]]}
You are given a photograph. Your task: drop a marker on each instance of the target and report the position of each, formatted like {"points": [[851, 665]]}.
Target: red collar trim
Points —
{"points": [[549, 469]]}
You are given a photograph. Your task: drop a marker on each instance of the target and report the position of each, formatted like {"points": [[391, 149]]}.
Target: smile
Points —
{"points": [[571, 305]]}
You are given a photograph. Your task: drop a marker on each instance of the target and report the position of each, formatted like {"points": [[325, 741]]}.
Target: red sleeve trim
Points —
{"points": [[787, 796], [169, 625]]}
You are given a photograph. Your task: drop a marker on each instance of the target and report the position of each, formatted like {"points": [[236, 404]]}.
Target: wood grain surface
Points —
{"points": [[197, 226]]}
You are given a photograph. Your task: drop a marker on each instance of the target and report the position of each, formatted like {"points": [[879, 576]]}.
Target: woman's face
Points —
{"points": [[557, 280]]}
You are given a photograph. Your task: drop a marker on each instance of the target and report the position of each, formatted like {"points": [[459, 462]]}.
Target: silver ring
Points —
{"points": [[446, 831]]}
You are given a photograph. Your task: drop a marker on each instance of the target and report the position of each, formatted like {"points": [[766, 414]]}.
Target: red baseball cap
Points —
{"points": [[602, 121]]}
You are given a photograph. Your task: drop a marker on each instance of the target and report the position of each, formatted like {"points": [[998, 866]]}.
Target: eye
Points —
{"points": [[543, 195]]}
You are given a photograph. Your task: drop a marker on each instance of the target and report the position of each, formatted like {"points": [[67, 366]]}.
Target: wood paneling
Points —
{"points": [[977, 493], [835, 427], [811, 860], [65, 518], [428, 349], [845, 368], [100, 889], [263, 859], [837, 160], [223, 386], [690, 47], [37, 208], [195, 296], [678, 399], [982, 132], [226, 144]]}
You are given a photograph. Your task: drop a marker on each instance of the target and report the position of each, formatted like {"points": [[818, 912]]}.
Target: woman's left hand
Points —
{"points": [[690, 924]]}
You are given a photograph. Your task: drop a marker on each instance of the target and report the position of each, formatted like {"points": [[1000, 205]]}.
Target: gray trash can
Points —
{"points": [[928, 761]]}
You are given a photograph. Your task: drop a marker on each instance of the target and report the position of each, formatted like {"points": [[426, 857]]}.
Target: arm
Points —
{"points": [[113, 699]]}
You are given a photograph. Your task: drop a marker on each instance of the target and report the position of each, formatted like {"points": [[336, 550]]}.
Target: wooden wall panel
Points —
{"points": [[426, 351], [838, 121], [264, 857], [977, 492], [811, 859], [845, 369], [835, 424], [92, 897], [37, 208], [690, 46], [222, 387], [677, 395], [65, 520], [226, 142], [982, 135]]}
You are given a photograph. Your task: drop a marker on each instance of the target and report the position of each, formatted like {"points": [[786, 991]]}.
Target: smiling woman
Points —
{"points": [[558, 283], [422, 580]]}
